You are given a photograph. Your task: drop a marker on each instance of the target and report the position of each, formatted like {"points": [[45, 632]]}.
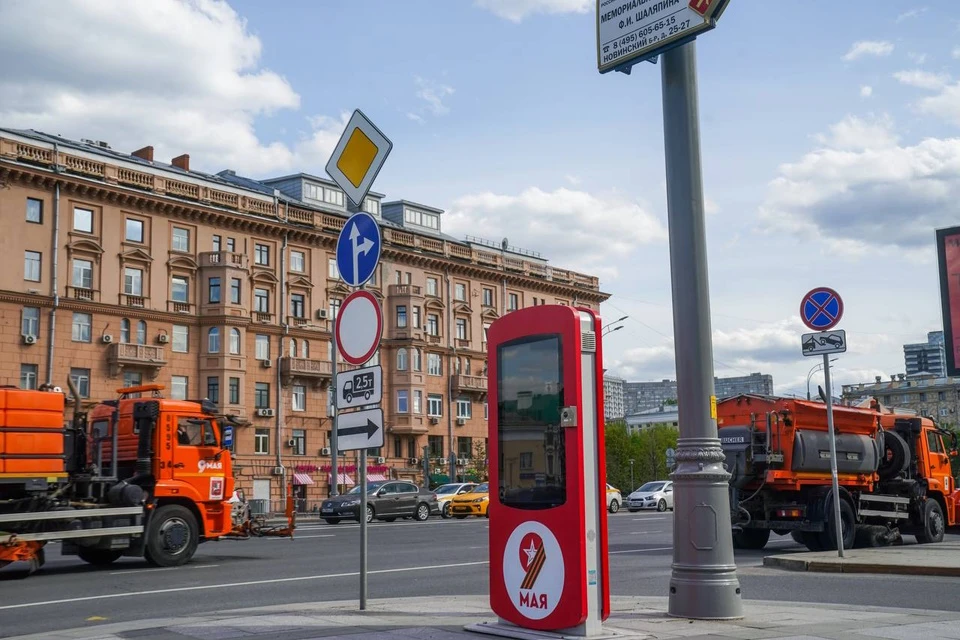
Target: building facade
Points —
{"points": [[122, 270], [756, 383], [924, 394], [639, 396], [926, 357], [613, 398]]}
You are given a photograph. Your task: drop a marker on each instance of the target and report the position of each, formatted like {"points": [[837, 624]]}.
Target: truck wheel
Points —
{"points": [[751, 538], [933, 525], [895, 456], [797, 536], [99, 557], [828, 538], [172, 536]]}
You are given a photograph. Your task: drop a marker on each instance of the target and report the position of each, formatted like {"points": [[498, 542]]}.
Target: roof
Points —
{"points": [[310, 176], [411, 203]]}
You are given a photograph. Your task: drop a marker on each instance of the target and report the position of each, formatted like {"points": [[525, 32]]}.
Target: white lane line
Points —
{"points": [[639, 532], [131, 571], [627, 551], [251, 583], [649, 518], [296, 537]]}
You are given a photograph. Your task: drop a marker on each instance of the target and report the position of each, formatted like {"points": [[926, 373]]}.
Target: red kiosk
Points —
{"points": [[548, 522]]}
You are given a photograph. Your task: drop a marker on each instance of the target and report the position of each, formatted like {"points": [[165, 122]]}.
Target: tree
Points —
{"points": [[479, 467]]}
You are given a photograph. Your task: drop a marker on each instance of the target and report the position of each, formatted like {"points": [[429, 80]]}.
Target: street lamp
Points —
{"points": [[811, 372], [609, 331], [606, 328], [633, 487]]}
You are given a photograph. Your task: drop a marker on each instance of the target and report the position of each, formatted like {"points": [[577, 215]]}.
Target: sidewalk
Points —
{"points": [[443, 618], [942, 559]]}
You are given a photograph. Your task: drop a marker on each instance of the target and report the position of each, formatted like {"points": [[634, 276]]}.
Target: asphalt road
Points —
{"points": [[438, 557]]}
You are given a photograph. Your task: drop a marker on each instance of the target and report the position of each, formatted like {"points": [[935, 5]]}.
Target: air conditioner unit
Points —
{"points": [[290, 442], [265, 413], [28, 339], [413, 461], [461, 422], [381, 460], [278, 471], [434, 420], [106, 338], [163, 338], [322, 314], [325, 451], [462, 462], [266, 364]]}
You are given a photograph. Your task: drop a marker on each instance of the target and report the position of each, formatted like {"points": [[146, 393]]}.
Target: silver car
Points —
{"points": [[653, 495]]}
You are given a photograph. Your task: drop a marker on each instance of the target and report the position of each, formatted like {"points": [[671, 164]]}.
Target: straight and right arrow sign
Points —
{"points": [[360, 430]]}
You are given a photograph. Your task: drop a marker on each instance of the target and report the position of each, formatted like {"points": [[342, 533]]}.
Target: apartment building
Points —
{"points": [[613, 397], [120, 270], [639, 396], [926, 357], [928, 395]]}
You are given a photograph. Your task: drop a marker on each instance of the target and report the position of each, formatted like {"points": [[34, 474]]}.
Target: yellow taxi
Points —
{"points": [[474, 503], [614, 498]]}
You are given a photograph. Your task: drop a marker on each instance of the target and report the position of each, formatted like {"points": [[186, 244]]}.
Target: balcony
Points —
{"points": [[174, 306], [223, 259], [121, 355], [82, 293], [404, 333], [433, 339], [407, 425], [463, 343], [319, 372], [405, 290], [260, 316], [469, 384], [138, 302]]}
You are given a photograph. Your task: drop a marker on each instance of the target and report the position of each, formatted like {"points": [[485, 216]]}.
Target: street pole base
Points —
{"points": [[702, 597], [503, 629]]}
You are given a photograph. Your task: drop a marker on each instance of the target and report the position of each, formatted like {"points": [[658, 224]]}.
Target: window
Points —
{"points": [[934, 443], [464, 408], [332, 271], [401, 316], [180, 240], [401, 359], [397, 447], [460, 292], [28, 376], [433, 324], [178, 387], [124, 331], [436, 446], [132, 281], [299, 397], [526, 460], [299, 442], [305, 349], [371, 206], [263, 347], [134, 230], [213, 290], [261, 254], [142, 332], [408, 278], [399, 276], [234, 390], [213, 340], [261, 300], [513, 302], [181, 338], [231, 245], [293, 347], [132, 378], [434, 364], [923, 397], [179, 289], [333, 197], [35, 210], [434, 405], [235, 290], [431, 286], [261, 395], [82, 274], [82, 327], [213, 389], [297, 261], [412, 451], [417, 401], [417, 360], [416, 317], [487, 297], [334, 307], [466, 366], [30, 321], [82, 220], [464, 447], [486, 411], [81, 379], [31, 266], [261, 441], [461, 329], [485, 327], [235, 341], [216, 243], [297, 304], [403, 401], [940, 396]]}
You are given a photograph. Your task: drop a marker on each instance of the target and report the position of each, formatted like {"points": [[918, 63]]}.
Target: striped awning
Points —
{"points": [[344, 479], [376, 477], [302, 478]]}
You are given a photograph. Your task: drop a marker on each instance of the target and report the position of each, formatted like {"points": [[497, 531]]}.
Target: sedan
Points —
{"points": [[446, 493], [385, 501], [653, 495]]}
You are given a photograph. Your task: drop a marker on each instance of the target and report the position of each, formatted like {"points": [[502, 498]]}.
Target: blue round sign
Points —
{"points": [[821, 309], [358, 249]]}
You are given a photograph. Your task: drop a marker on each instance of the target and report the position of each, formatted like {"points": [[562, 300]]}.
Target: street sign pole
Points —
{"points": [[363, 529], [333, 428], [704, 581], [833, 454]]}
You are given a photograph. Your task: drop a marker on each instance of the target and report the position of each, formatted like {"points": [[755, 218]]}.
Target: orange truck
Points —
{"points": [[893, 471], [142, 476]]}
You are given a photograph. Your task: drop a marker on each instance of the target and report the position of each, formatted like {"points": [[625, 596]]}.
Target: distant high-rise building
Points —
{"points": [[613, 398], [926, 357], [755, 383], [639, 396]]}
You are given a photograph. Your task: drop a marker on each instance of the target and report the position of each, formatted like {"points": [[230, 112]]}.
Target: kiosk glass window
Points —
{"points": [[530, 395]]}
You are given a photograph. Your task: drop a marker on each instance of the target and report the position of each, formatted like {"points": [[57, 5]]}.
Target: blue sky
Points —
{"points": [[829, 140]]}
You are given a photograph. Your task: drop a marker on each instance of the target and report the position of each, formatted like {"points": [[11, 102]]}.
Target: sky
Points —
{"points": [[829, 141]]}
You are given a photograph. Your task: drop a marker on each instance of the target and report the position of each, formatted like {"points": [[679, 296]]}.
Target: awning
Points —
{"points": [[439, 478], [344, 479], [302, 478], [376, 477]]}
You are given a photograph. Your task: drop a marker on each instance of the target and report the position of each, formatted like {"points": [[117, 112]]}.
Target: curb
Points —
{"points": [[854, 566]]}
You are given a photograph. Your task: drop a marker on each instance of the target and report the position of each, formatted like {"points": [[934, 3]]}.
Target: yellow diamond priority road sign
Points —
{"points": [[358, 157]]}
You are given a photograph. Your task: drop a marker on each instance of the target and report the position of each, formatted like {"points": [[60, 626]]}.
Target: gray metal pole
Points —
{"points": [[704, 583], [334, 471], [833, 454], [363, 529]]}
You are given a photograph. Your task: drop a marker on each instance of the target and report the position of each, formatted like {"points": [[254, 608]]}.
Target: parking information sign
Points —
{"points": [[824, 342]]}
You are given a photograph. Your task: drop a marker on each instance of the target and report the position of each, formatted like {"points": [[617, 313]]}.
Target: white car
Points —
{"points": [[614, 498], [448, 492], [653, 495]]}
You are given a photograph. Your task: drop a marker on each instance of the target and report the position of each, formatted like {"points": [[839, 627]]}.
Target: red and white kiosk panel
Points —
{"points": [[548, 521]]}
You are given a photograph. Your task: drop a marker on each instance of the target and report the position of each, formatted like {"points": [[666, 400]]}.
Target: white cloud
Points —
{"points": [[415, 117], [945, 105], [917, 58], [182, 76], [572, 179], [856, 134], [922, 79], [517, 10], [912, 13], [868, 48], [432, 94], [866, 91], [586, 232], [710, 207]]}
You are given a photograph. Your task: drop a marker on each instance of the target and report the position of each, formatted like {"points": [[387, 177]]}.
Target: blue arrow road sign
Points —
{"points": [[358, 249], [821, 309]]}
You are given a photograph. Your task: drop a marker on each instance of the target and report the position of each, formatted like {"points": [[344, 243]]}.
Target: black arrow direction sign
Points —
{"points": [[370, 429], [360, 430]]}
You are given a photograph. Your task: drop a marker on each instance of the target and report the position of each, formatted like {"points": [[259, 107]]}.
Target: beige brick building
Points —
{"points": [[119, 270]]}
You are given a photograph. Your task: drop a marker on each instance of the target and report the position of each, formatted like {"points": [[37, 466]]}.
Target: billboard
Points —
{"points": [[948, 251]]}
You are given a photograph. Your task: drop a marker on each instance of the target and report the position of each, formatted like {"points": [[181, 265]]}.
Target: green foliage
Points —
{"points": [[647, 449], [478, 469]]}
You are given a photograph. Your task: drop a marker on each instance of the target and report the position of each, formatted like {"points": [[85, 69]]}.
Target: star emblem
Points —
{"points": [[531, 552]]}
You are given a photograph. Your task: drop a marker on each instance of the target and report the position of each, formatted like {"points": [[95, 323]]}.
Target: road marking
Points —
{"points": [[129, 571], [296, 537], [639, 532], [627, 551], [251, 583], [650, 518]]}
